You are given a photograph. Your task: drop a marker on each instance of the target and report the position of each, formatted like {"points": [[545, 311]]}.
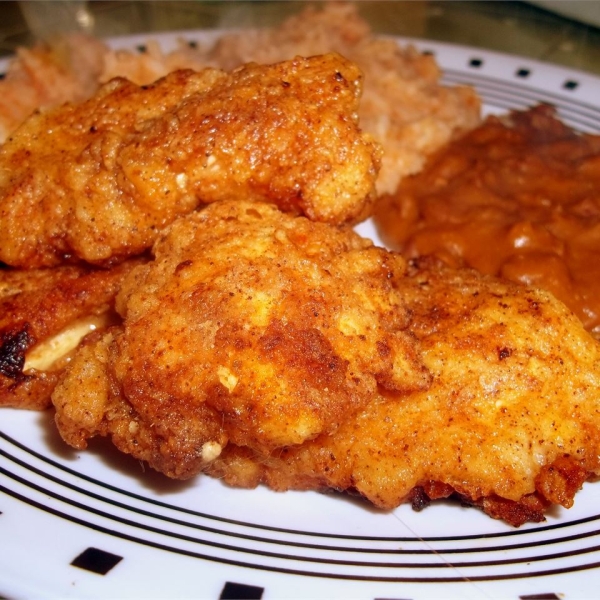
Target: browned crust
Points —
{"points": [[35, 306]]}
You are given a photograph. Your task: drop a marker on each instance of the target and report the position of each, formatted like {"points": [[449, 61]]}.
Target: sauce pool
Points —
{"points": [[517, 197]]}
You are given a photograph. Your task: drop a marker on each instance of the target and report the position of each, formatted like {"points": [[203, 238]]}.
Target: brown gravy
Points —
{"points": [[517, 197]]}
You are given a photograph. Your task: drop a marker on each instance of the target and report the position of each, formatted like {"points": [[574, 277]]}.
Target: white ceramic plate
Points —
{"points": [[96, 525]]}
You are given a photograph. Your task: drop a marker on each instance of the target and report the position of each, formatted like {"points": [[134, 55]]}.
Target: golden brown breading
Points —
{"points": [[250, 326], [43, 315], [405, 106], [98, 180], [511, 421]]}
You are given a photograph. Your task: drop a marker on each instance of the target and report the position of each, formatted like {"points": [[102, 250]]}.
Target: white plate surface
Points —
{"points": [[94, 524]]}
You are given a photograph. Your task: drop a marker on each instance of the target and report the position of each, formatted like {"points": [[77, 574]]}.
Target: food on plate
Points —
{"points": [[44, 314], [268, 343], [98, 180], [510, 422], [518, 197], [250, 326], [67, 69], [264, 348], [404, 106]]}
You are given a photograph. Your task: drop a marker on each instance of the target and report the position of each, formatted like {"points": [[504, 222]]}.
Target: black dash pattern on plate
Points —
{"points": [[476, 63], [241, 591], [96, 561]]}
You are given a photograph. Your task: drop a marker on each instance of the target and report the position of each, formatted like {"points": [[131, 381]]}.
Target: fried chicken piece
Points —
{"points": [[510, 423], [44, 314], [405, 106], [251, 327], [97, 181]]}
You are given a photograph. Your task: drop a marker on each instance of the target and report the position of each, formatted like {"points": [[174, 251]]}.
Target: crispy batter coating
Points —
{"points": [[97, 181], [405, 106], [251, 326], [511, 421], [43, 314]]}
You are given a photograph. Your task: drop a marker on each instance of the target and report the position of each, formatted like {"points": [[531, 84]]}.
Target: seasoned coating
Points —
{"points": [[251, 326], [510, 423], [97, 181], [43, 315], [405, 106]]}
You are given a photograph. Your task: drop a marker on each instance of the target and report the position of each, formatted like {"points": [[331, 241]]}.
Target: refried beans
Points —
{"points": [[518, 197]]}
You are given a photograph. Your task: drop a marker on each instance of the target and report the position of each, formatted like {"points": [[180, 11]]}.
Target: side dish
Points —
{"points": [[517, 197]]}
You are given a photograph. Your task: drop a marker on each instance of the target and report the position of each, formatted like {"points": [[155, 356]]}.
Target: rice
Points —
{"points": [[152, 64], [66, 69]]}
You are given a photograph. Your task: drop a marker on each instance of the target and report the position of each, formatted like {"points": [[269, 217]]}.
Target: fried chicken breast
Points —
{"points": [[511, 421], [44, 313], [97, 181], [251, 327]]}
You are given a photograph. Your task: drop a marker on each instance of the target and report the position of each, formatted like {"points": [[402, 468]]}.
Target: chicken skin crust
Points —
{"points": [[251, 327], [511, 422], [97, 181], [43, 315]]}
